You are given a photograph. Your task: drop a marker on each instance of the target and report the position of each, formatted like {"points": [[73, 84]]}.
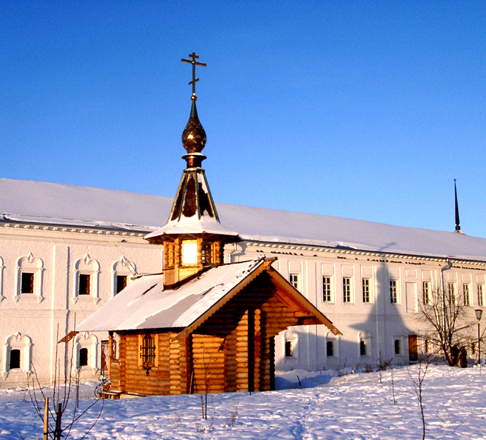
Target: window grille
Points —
{"points": [[147, 352]]}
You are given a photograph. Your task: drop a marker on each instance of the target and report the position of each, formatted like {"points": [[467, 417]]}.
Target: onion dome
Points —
{"points": [[194, 136]]}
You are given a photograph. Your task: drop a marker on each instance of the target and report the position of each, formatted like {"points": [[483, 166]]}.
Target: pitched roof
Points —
{"points": [[144, 304], [52, 203]]}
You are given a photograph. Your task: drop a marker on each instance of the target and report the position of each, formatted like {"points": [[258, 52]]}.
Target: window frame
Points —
{"points": [[366, 290], [327, 289], [426, 292], [347, 290], [393, 291], [20, 342], [480, 294], [86, 266], [466, 294], [294, 280], [35, 267]]}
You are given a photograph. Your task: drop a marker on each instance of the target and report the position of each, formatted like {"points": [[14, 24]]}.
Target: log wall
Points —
{"points": [[232, 351]]}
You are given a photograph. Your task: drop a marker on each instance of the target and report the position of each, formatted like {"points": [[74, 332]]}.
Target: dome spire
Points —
{"points": [[194, 136]]}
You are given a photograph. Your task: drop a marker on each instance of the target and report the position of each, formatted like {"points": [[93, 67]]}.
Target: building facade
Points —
{"points": [[55, 271]]}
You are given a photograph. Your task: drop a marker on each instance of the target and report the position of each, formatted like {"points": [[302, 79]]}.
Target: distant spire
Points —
{"points": [[458, 227]]}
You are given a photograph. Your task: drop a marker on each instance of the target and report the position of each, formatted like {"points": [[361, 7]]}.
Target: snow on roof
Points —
{"points": [[144, 304], [76, 205]]}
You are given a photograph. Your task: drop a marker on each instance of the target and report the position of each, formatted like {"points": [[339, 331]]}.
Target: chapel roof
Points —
{"points": [[144, 304]]}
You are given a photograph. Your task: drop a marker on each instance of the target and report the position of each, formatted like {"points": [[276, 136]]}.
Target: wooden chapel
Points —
{"points": [[202, 325]]}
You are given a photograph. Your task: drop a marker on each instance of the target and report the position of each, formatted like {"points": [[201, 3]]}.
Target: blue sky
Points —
{"points": [[357, 109]]}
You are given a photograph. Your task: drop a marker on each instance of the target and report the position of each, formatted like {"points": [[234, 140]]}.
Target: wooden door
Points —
{"points": [[412, 348]]}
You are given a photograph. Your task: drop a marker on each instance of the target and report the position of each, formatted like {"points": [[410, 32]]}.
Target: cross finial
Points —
{"points": [[194, 79]]}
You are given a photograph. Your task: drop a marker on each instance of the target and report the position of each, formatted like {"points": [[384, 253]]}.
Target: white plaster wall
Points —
{"points": [[47, 318], [383, 321]]}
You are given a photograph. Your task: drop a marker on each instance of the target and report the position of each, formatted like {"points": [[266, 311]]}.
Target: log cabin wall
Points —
{"points": [[127, 373], [232, 351], [244, 328]]}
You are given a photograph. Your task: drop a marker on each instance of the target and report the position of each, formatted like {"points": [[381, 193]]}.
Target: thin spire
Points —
{"points": [[458, 227]]}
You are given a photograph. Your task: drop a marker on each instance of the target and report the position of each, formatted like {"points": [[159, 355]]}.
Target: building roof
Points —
{"points": [[144, 304], [52, 203]]}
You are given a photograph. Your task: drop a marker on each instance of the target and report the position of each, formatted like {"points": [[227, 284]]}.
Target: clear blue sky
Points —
{"points": [[358, 109]]}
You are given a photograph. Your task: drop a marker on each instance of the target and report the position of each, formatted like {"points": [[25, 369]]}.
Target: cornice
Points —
{"points": [[373, 256], [69, 229]]}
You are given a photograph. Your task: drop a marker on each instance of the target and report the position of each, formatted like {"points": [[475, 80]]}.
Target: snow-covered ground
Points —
{"points": [[322, 406]]}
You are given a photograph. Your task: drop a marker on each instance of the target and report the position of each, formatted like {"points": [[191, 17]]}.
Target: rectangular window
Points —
{"points": [[121, 282], [27, 282], [397, 346], [289, 349], [452, 291], [362, 348], [206, 253], [326, 289], [365, 284], [14, 359], [426, 291], [295, 280], [393, 292], [480, 295], [346, 290], [83, 357], [330, 348], [84, 287], [147, 352], [467, 295]]}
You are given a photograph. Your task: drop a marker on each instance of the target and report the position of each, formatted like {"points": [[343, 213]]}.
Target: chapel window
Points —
{"points": [[147, 352], [206, 256]]}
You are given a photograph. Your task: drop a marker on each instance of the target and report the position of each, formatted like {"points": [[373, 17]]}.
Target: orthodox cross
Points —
{"points": [[194, 64]]}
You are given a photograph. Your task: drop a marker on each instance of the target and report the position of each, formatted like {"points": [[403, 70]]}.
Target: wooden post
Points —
{"points": [[57, 432], [46, 418]]}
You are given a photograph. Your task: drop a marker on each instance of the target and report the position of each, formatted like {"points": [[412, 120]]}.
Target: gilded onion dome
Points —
{"points": [[194, 136]]}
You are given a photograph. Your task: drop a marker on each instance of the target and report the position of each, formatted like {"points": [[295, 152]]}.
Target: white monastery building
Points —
{"points": [[67, 250]]}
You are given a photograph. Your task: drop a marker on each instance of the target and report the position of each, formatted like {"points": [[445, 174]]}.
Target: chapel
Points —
{"points": [[202, 325]]}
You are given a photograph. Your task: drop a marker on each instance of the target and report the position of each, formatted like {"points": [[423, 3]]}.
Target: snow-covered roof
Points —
{"points": [[75, 205], [144, 304]]}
